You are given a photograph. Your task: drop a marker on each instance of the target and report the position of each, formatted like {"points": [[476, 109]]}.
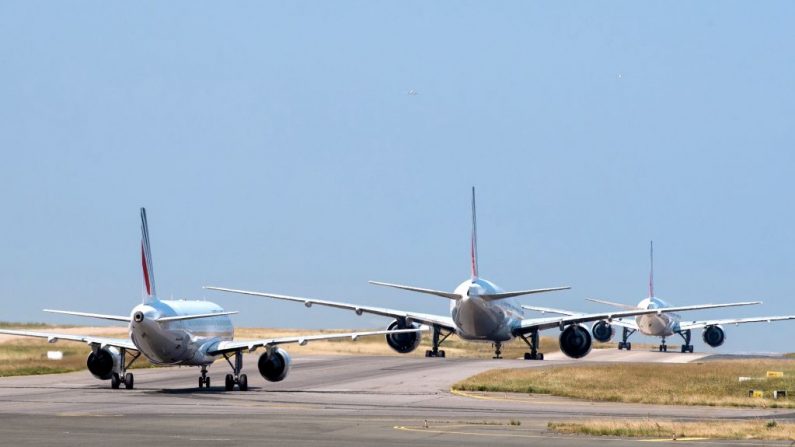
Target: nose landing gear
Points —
{"points": [[204, 381]]}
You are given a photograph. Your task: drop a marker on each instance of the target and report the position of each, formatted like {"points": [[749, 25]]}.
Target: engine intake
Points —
{"points": [[405, 342], [714, 336], [274, 365], [602, 331], [575, 341], [104, 362]]}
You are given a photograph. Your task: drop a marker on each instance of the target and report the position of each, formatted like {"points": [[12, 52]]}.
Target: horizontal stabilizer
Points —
{"points": [[193, 317], [548, 310], [90, 315], [448, 295], [610, 303], [502, 296]]}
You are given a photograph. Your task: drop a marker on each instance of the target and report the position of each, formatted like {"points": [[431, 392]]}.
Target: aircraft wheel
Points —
{"points": [[230, 382], [441, 354], [201, 382], [128, 381], [115, 381], [620, 345], [628, 346], [207, 382], [242, 382]]}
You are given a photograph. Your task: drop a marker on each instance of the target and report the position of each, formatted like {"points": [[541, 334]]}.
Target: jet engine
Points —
{"points": [[602, 331], [274, 365], [575, 341], [714, 336], [102, 363], [403, 343]]}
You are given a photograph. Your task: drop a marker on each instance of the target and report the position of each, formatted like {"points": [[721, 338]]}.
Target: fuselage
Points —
{"points": [[662, 325], [478, 319], [183, 342]]}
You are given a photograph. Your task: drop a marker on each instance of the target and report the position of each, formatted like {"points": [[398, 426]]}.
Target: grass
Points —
{"points": [[769, 430], [713, 383]]}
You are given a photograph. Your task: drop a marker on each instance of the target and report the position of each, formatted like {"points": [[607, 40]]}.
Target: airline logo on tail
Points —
{"points": [[146, 257]]}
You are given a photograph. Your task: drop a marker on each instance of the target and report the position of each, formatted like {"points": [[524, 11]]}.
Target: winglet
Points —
{"points": [[651, 270], [474, 240], [146, 261]]}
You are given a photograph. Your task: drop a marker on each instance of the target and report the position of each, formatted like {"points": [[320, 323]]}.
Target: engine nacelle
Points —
{"points": [[714, 336], [102, 363], [575, 341], [406, 342], [602, 331], [274, 365]]}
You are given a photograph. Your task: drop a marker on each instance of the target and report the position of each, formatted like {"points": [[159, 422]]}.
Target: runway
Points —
{"points": [[326, 400]]}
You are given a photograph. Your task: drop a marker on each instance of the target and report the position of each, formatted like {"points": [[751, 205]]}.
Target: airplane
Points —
{"points": [[181, 332], [481, 311], [661, 325]]}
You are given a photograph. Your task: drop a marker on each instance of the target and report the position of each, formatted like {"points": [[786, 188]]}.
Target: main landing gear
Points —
{"points": [[116, 379], [687, 347], [241, 380], [624, 344], [533, 344], [435, 351], [204, 381]]}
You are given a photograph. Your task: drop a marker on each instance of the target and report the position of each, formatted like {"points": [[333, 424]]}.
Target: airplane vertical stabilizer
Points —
{"points": [[146, 261], [474, 241], [651, 269]]}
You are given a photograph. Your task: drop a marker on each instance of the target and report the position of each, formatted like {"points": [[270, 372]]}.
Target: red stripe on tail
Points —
{"points": [[146, 271]]}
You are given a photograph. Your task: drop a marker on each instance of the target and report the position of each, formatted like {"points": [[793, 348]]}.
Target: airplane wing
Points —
{"points": [[531, 324], [232, 346], [52, 337], [432, 320], [685, 325]]}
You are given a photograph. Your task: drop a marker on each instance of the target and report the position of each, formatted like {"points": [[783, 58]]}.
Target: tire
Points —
{"points": [[441, 354], [207, 382], [229, 383], [620, 345], [540, 356], [129, 380], [628, 346], [427, 353], [242, 382], [201, 382], [115, 381]]}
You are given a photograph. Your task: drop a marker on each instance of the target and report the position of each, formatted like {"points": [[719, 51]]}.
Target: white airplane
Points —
{"points": [[179, 332], [481, 311], [660, 325]]}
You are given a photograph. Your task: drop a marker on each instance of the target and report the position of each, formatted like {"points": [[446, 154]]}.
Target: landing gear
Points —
{"points": [[624, 344], [687, 347], [235, 378], [663, 346], [435, 351], [204, 381], [116, 379], [533, 344], [497, 349]]}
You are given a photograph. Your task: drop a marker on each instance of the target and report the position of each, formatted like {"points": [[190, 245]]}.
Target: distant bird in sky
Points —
{"points": [[413, 92]]}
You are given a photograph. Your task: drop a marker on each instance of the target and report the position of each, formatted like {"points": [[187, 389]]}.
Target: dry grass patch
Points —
{"points": [[708, 383], [769, 430]]}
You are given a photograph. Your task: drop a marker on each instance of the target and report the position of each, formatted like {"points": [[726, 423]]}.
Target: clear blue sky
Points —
{"points": [[276, 147]]}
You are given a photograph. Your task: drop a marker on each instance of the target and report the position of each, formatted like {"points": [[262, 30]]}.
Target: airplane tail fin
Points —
{"points": [[651, 270], [474, 241], [146, 261]]}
